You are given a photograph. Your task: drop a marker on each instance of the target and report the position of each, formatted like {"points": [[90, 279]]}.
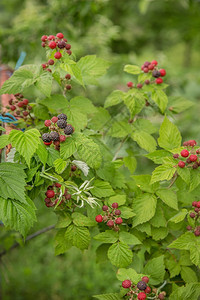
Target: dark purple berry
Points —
{"points": [[142, 285], [68, 129], [62, 116], [46, 137], [156, 73], [61, 123], [54, 136]]}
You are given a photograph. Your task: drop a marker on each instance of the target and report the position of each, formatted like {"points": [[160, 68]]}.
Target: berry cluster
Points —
{"points": [[53, 195], [150, 67], [141, 289], [56, 125], [58, 43], [190, 155], [20, 106], [111, 216], [196, 216]]}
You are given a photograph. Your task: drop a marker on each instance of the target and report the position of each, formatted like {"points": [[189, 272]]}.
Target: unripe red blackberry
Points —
{"points": [[139, 85], [68, 87], [68, 196], [189, 228], [176, 155], [51, 62], [159, 80], [18, 112], [25, 113], [64, 39], [44, 38], [110, 223], [147, 82], [68, 46], [146, 64], [62, 138], [25, 101], [156, 73], [47, 200], [43, 44], [52, 45], [67, 76], [161, 296], [20, 104], [61, 123], [196, 209], [12, 107], [54, 136], [145, 70], [68, 129], [185, 143], [188, 161], [99, 218], [46, 137], [162, 72], [198, 204], [129, 84], [17, 94], [62, 116], [142, 67], [193, 157], [118, 221], [126, 284], [51, 37], [194, 203], [73, 168], [61, 44], [10, 101], [54, 119], [60, 35], [151, 67], [192, 143], [69, 52], [154, 62], [115, 205], [141, 296], [145, 279], [142, 285], [105, 208], [58, 185], [181, 164], [148, 290], [50, 194], [192, 215], [57, 55], [50, 204], [195, 165], [117, 212], [185, 153], [47, 123]]}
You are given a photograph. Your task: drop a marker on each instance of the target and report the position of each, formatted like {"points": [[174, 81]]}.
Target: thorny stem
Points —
{"points": [[173, 180], [119, 148], [29, 237]]}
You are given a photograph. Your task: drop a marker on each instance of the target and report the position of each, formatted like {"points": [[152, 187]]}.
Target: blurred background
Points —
{"points": [[122, 32]]}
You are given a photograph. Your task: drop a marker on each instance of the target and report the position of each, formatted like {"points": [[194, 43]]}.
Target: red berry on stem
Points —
{"points": [[12, 107], [197, 232], [105, 208], [68, 196], [198, 204], [117, 212], [192, 215], [145, 279], [52, 45], [43, 44], [192, 143], [126, 284], [161, 296], [181, 164], [147, 81], [151, 67], [47, 123], [69, 52], [110, 223], [50, 194], [57, 55], [159, 80], [44, 38], [51, 37], [129, 84], [185, 144], [62, 138], [60, 35], [48, 143], [68, 46], [162, 72], [118, 221], [141, 296], [25, 102], [99, 218], [51, 62], [146, 70], [54, 119], [148, 290], [194, 203], [193, 157], [67, 76], [115, 205], [68, 87], [58, 185], [139, 85], [25, 113], [176, 155], [73, 168], [154, 62], [185, 153]]}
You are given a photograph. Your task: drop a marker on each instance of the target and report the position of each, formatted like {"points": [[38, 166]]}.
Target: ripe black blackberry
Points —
{"points": [[156, 73], [62, 116], [46, 138], [61, 44], [68, 129], [61, 123], [142, 285], [54, 136]]}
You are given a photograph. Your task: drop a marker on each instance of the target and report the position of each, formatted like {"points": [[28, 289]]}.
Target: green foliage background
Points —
{"points": [[122, 32]]}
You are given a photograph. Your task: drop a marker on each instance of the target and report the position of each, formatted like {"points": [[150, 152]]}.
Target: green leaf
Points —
{"points": [[55, 102], [144, 125], [188, 292], [130, 162], [12, 181], [156, 269], [17, 215], [184, 173], [64, 220], [178, 104], [42, 153], [158, 219], [144, 140], [131, 274], [135, 101], [170, 136], [44, 82], [52, 156], [26, 143], [108, 297], [68, 147], [99, 119], [40, 112], [188, 275], [82, 104], [2, 128], [126, 212], [132, 69], [168, 197], [143, 182], [107, 237], [75, 117], [60, 165], [159, 233], [81, 220], [120, 199], [194, 179], [78, 236], [102, 189], [160, 98], [92, 68], [120, 255], [145, 207], [88, 151], [158, 156], [4, 141], [180, 216], [119, 129], [164, 172], [114, 98], [128, 238], [61, 244]]}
